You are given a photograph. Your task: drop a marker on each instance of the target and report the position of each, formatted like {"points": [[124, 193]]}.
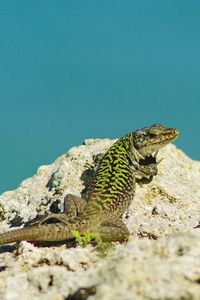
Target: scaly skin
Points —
{"points": [[130, 159]]}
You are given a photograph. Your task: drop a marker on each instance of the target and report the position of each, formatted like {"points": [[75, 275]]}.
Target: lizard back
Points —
{"points": [[112, 187]]}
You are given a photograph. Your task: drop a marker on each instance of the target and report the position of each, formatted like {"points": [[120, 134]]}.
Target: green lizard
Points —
{"points": [[131, 159]]}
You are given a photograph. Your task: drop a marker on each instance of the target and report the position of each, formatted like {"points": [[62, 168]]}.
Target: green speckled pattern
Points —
{"points": [[113, 185]]}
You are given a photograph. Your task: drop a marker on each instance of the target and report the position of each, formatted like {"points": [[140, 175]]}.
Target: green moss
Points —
{"points": [[84, 240], [101, 247]]}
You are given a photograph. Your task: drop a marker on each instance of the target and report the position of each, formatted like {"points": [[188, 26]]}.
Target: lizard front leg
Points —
{"points": [[145, 169]]}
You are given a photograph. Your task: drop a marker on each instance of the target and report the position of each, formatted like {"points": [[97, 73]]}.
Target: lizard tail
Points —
{"points": [[47, 232]]}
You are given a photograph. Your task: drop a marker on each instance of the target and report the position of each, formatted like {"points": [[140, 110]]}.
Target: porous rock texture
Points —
{"points": [[161, 259]]}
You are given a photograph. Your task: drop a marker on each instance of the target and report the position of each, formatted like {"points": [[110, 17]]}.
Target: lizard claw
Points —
{"points": [[159, 161], [155, 154]]}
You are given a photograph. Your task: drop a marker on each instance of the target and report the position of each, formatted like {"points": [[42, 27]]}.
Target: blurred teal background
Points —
{"points": [[71, 70]]}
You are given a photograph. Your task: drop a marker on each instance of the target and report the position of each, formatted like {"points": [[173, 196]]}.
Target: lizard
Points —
{"points": [[131, 159]]}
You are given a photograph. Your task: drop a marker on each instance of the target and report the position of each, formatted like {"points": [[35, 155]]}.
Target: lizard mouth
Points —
{"points": [[170, 136]]}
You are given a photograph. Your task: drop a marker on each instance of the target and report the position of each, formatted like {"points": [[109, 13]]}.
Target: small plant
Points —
{"points": [[84, 240]]}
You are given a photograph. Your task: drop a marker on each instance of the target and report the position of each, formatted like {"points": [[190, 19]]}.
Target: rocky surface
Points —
{"points": [[161, 260]]}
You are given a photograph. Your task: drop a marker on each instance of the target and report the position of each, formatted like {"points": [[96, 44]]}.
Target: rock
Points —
{"points": [[161, 260]]}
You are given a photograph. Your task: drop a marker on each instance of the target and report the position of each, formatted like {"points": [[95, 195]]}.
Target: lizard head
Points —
{"points": [[150, 139]]}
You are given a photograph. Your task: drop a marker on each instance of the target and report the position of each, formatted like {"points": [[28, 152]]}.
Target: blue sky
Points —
{"points": [[72, 70]]}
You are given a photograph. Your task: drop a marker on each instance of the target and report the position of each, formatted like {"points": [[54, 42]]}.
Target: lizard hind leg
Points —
{"points": [[73, 206], [113, 230]]}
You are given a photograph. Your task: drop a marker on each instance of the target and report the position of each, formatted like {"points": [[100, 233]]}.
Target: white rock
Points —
{"points": [[161, 260]]}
